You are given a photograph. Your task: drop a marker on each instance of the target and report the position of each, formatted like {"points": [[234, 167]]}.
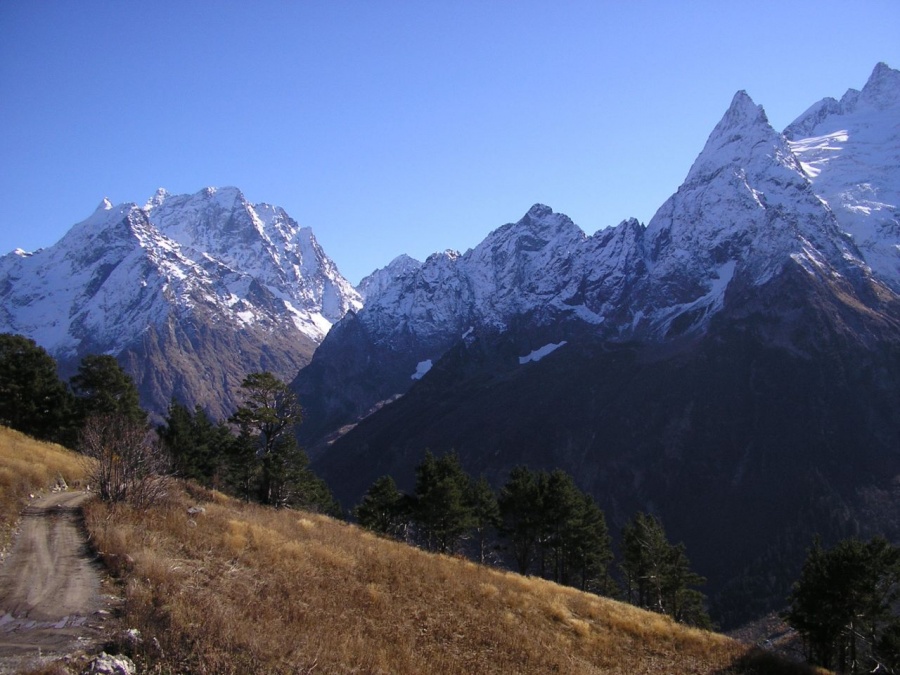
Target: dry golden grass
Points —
{"points": [[242, 588], [28, 466]]}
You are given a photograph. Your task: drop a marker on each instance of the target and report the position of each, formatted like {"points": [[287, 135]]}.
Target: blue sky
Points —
{"points": [[399, 126]]}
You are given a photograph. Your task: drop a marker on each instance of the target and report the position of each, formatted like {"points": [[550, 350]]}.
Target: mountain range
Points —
{"points": [[749, 207], [732, 366]]}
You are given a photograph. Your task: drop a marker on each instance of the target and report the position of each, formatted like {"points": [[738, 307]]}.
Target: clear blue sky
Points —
{"points": [[399, 126]]}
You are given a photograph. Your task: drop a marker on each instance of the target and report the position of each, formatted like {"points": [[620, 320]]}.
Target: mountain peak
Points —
{"points": [[882, 90], [882, 73], [381, 279], [743, 127], [742, 112], [157, 199], [539, 211], [104, 205]]}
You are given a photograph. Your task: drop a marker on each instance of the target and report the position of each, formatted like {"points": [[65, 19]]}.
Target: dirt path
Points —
{"points": [[50, 601]]}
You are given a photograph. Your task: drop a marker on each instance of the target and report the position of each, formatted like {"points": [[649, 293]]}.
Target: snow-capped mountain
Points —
{"points": [[850, 151], [750, 205], [746, 208], [161, 283]]}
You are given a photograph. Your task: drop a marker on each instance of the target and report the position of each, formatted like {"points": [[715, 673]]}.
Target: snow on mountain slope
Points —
{"points": [[850, 150], [745, 208], [380, 280], [262, 242], [92, 282], [517, 269], [193, 291], [126, 267]]}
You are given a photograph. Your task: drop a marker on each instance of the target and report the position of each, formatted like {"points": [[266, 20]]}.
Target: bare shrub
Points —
{"points": [[129, 462]]}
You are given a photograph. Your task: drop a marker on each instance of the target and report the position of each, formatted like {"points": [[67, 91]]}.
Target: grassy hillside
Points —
{"points": [[27, 467], [240, 588]]}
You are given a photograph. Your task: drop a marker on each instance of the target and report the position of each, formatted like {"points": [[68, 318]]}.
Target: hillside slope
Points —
{"points": [[239, 588]]}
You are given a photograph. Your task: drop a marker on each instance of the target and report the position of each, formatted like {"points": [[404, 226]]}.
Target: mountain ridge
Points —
{"points": [[746, 208], [150, 284]]}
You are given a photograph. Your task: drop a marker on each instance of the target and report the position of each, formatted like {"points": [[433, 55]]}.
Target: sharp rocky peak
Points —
{"points": [[882, 90], [737, 140], [539, 211], [373, 285], [539, 228], [741, 113]]}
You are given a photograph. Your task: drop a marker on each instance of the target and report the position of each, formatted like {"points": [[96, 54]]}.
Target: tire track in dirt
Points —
{"points": [[50, 600]]}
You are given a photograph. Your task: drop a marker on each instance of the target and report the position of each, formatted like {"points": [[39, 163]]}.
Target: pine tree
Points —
{"points": [[441, 508], [485, 514], [658, 575], [561, 501], [383, 508], [521, 515], [268, 415], [242, 465], [33, 399], [593, 551], [102, 387], [845, 606], [196, 445], [266, 422]]}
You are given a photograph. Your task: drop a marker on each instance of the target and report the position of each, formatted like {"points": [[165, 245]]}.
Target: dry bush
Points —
{"points": [[242, 588], [28, 466], [128, 461]]}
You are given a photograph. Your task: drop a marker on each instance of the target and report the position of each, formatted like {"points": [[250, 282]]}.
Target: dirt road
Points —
{"points": [[50, 601]]}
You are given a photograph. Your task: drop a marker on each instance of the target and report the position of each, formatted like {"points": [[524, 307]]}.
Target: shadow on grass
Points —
{"points": [[760, 662]]}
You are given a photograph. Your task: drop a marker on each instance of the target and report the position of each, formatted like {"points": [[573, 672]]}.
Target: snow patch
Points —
{"points": [[421, 369], [538, 354]]}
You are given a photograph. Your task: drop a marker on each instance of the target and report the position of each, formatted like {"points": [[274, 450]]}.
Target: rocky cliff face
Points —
{"points": [[190, 292]]}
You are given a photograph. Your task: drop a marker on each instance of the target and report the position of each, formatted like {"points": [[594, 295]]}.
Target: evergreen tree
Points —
{"points": [[574, 545], [521, 515], [644, 549], [267, 452], [268, 415], [242, 465], [103, 388], [441, 508], [562, 509], [658, 575], [383, 508], [682, 602], [196, 445], [593, 550], [485, 514], [33, 399], [845, 606]]}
